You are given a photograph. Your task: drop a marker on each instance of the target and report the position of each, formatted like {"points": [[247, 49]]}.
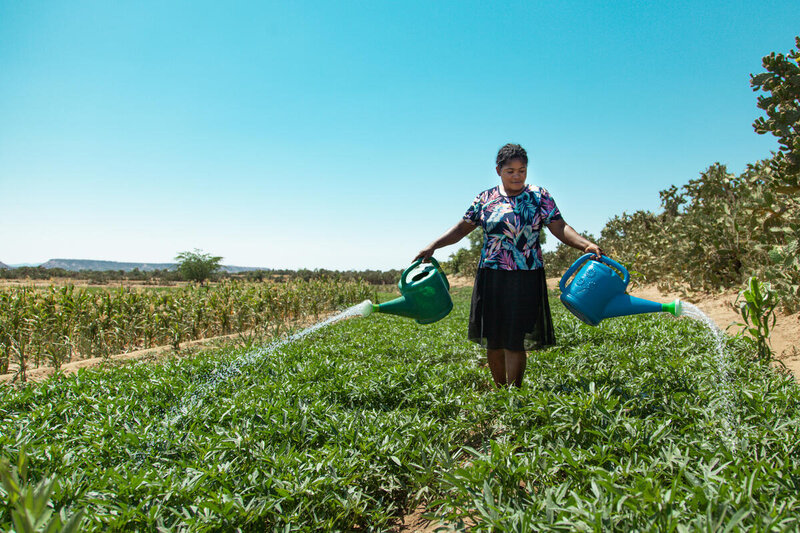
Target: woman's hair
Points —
{"points": [[510, 152]]}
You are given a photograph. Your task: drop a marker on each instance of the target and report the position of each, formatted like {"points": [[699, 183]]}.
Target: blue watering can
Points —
{"points": [[597, 292]]}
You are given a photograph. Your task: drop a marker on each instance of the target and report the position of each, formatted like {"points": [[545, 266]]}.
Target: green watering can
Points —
{"points": [[425, 294]]}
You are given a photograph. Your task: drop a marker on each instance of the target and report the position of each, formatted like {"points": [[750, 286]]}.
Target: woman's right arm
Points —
{"points": [[451, 236]]}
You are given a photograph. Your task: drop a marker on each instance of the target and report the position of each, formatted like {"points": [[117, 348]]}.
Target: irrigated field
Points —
{"points": [[628, 426]]}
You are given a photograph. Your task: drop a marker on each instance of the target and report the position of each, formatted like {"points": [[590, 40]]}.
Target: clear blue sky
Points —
{"points": [[350, 134]]}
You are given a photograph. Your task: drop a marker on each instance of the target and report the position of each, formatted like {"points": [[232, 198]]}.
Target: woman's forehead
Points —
{"points": [[515, 163]]}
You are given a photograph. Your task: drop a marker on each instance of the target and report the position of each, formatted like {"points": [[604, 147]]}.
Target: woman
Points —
{"points": [[510, 312]]}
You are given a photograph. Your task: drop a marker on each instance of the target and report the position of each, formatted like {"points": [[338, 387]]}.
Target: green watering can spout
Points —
{"points": [[673, 307], [425, 294]]}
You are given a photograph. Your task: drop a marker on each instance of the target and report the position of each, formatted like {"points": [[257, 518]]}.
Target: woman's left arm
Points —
{"points": [[566, 234]]}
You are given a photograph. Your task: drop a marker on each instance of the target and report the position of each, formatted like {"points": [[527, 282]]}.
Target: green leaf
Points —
{"points": [[736, 519], [73, 523]]}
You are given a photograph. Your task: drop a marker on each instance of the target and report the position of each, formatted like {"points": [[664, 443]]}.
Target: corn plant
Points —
{"points": [[56, 325], [756, 305]]}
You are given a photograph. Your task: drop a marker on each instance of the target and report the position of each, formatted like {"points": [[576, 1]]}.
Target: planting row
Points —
{"points": [[60, 324]]}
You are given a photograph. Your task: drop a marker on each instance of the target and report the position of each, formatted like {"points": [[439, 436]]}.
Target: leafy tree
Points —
{"points": [[782, 106], [778, 181], [197, 266], [720, 228]]}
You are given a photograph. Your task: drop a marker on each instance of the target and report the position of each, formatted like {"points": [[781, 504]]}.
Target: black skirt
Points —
{"points": [[510, 310]]}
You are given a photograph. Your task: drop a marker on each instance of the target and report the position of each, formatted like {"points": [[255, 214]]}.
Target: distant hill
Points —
{"points": [[76, 265], [3, 265], [90, 264]]}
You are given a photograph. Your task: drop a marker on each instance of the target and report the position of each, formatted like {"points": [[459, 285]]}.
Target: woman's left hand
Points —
{"points": [[593, 249]]}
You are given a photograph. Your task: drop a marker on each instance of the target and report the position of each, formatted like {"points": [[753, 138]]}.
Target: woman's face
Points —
{"points": [[513, 175]]}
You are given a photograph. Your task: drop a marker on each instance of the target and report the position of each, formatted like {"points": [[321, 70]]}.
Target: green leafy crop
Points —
{"points": [[618, 427]]}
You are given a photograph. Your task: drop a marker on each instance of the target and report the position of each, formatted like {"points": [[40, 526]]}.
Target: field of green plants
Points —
{"points": [[60, 324], [629, 426]]}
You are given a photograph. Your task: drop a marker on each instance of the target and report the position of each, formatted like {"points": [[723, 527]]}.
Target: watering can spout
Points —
{"points": [[400, 307], [675, 308], [598, 292], [625, 304], [366, 308], [425, 294]]}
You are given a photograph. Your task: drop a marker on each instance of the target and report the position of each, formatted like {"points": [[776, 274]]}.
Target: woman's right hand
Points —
{"points": [[592, 248], [426, 253]]}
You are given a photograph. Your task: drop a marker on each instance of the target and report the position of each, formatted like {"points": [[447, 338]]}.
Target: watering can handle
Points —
{"points": [[417, 263], [626, 277], [439, 268], [571, 270]]}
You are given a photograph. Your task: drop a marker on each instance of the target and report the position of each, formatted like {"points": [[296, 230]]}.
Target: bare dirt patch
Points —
{"points": [[414, 522], [460, 281]]}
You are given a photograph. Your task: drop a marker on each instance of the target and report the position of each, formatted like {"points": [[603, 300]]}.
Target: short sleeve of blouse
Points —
{"points": [[549, 208], [473, 213]]}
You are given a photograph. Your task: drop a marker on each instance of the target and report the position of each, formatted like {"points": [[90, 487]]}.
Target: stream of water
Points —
{"points": [[206, 385], [722, 360], [202, 389]]}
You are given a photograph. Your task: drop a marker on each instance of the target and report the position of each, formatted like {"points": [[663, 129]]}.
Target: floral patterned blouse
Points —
{"points": [[511, 226]]}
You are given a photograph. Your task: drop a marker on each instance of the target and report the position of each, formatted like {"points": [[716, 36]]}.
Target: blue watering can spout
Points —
{"points": [[625, 304], [597, 292]]}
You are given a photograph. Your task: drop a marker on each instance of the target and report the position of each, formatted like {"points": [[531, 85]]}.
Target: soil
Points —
{"points": [[460, 281], [414, 522]]}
